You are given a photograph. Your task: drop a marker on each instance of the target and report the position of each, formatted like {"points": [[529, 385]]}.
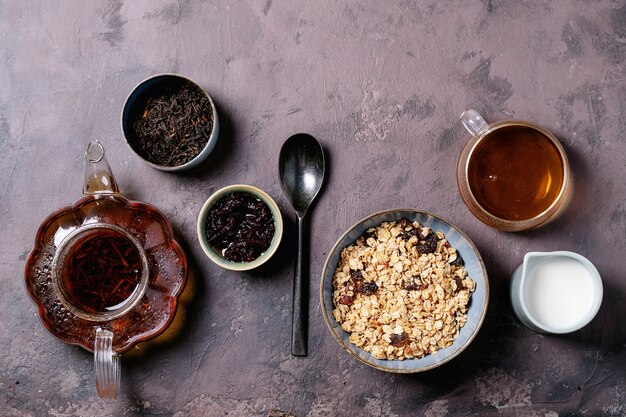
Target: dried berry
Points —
{"points": [[413, 284], [240, 226], [459, 284], [408, 234], [244, 250], [346, 300], [404, 223], [429, 244], [458, 261], [399, 340], [356, 275], [368, 288]]}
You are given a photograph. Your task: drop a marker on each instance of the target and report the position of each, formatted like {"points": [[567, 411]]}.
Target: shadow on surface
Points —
{"points": [[493, 343], [503, 340], [606, 331], [184, 321], [285, 255], [179, 333]]}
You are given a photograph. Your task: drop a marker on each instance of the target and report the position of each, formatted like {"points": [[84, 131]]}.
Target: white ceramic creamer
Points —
{"points": [[556, 292]]}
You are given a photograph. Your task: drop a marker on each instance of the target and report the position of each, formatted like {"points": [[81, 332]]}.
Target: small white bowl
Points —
{"points": [[140, 93], [214, 255]]}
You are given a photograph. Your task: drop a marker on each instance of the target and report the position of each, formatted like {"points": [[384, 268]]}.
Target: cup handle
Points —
{"points": [[107, 365], [473, 122]]}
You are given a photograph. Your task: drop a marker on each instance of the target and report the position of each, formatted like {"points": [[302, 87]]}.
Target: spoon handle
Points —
{"points": [[299, 318]]}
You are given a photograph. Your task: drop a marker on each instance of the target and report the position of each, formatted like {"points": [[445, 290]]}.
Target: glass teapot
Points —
{"points": [[105, 272]]}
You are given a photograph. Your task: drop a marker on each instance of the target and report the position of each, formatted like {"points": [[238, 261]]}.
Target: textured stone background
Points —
{"points": [[381, 85]]}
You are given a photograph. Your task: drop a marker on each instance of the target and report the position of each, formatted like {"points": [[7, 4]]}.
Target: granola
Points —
{"points": [[401, 291]]}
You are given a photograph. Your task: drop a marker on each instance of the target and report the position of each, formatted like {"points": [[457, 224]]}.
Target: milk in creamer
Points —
{"points": [[559, 292]]}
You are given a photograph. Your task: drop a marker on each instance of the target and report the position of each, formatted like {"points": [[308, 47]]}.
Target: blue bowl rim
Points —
{"points": [[327, 319]]}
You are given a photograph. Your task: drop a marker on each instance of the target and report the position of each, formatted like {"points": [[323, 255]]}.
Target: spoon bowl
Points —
{"points": [[301, 170]]}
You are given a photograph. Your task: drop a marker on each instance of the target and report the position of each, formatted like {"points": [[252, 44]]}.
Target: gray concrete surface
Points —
{"points": [[381, 85]]}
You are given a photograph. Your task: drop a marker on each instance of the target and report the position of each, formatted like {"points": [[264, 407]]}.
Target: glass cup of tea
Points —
{"points": [[512, 175]]}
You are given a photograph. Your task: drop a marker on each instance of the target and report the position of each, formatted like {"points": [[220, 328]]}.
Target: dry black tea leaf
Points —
{"points": [[174, 126]]}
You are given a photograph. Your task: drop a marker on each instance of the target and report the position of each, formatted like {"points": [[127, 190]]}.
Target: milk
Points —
{"points": [[559, 292]]}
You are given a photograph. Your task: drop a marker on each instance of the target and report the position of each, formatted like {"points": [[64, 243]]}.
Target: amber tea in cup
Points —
{"points": [[515, 173], [512, 175]]}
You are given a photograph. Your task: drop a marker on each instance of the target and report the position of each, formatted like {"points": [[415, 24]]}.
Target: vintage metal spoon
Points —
{"points": [[301, 169]]}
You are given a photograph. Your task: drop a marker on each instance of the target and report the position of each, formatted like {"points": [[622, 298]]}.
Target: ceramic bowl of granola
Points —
{"points": [[404, 291]]}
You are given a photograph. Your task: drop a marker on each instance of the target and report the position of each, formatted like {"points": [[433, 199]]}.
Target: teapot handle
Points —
{"points": [[107, 365], [98, 176]]}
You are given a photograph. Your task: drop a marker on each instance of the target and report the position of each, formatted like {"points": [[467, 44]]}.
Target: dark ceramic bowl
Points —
{"points": [[473, 264], [153, 86]]}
